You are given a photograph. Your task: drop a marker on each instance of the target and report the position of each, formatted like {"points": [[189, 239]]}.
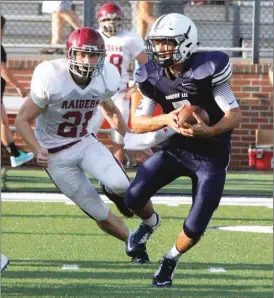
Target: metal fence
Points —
{"points": [[242, 28]]}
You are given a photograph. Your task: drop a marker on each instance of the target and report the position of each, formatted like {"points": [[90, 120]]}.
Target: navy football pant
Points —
{"points": [[208, 178]]}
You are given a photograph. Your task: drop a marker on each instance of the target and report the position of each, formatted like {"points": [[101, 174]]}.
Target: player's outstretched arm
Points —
{"points": [[143, 141], [114, 117], [142, 124]]}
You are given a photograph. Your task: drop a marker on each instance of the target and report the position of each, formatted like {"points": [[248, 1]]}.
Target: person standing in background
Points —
{"points": [[270, 74], [17, 157], [122, 46], [61, 12], [145, 16]]}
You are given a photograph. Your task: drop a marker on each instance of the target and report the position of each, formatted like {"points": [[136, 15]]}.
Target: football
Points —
{"points": [[186, 115]]}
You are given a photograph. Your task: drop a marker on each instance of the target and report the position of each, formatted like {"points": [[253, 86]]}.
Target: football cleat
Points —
{"points": [[142, 258], [118, 201], [21, 159], [4, 263], [165, 273], [137, 239]]}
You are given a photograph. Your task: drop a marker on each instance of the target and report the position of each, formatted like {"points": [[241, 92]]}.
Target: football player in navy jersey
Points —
{"points": [[178, 75]]}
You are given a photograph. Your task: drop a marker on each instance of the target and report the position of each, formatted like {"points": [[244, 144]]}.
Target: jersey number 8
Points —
{"points": [[116, 60]]}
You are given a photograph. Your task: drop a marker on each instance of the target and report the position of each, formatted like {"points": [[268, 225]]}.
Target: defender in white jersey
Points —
{"points": [[122, 46], [65, 95]]}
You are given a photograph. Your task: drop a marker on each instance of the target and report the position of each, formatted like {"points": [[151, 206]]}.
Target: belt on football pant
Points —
{"points": [[60, 148]]}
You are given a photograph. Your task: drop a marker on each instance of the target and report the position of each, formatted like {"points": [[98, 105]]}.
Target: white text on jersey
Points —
{"points": [[177, 95]]}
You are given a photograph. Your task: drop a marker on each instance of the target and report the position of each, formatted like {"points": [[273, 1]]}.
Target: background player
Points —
{"points": [[17, 157], [178, 75], [65, 94], [122, 46]]}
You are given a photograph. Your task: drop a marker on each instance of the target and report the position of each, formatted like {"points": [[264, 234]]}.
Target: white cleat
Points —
{"points": [[4, 263]]}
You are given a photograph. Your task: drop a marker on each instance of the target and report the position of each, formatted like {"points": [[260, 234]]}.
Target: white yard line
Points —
{"points": [[163, 200]]}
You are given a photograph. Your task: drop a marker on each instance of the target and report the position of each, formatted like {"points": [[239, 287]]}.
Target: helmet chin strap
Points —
{"points": [[168, 62]]}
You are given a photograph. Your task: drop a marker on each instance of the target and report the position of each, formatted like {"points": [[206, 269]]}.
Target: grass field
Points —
{"points": [[41, 238]]}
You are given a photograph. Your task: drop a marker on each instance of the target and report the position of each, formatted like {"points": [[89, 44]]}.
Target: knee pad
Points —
{"points": [[118, 200], [118, 189], [134, 203]]}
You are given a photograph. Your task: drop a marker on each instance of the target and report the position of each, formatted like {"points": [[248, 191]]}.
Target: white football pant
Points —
{"points": [[68, 169]]}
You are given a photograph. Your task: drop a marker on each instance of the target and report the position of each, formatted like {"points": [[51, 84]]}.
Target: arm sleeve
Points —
{"points": [[147, 140], [224, 97]]}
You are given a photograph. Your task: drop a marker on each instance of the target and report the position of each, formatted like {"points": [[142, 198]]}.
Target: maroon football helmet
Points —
{"points": [[87, 40], [110, 17]]}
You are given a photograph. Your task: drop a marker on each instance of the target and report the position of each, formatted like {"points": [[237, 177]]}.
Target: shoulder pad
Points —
{"points": [[211, 64], [45, 78]]}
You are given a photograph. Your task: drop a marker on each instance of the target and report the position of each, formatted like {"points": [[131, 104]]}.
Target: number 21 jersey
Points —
{"points": [[67, 107]]}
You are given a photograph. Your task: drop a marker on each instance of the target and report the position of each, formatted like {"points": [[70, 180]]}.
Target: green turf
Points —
{"points": [[39, 238], [237, 183]]}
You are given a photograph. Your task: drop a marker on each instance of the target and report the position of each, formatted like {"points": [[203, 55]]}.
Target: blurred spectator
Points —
{"points": [[270, 74], [165, 7], [17, 157], [145, 17], [61, 12]]}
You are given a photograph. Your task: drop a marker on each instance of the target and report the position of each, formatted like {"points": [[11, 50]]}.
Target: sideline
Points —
{"points": [[162, 200]]}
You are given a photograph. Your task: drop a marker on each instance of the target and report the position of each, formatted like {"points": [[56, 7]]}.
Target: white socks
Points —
{"points": [[173, 254], [152, 221]]}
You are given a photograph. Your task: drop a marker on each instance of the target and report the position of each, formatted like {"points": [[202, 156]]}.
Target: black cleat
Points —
{"points": [[136, 240], [165, 273], [118, 201], [142, 258]]}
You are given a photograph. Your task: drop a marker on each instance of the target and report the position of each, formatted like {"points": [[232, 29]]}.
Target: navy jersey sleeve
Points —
{"points": [[221, 68], [3, 55], [142, 80]]}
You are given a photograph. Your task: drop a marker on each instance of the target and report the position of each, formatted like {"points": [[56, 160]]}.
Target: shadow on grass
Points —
{"points": [[99, 278], [76, 216]]}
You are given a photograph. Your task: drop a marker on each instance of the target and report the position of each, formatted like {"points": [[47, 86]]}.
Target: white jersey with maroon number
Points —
{"points": [[121, 49], [67, 108]]}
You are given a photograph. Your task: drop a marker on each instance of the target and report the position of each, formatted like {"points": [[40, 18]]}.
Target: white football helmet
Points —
{"points": [[176, 28]]}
